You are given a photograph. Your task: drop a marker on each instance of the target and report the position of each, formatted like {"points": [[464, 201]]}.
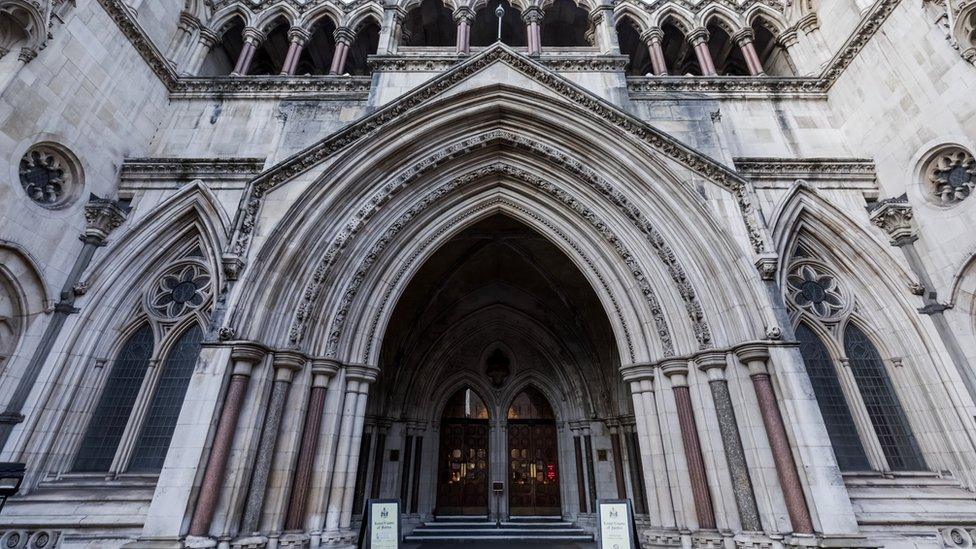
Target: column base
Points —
{"points": [[344, 538], [199, 542], [249, 542]]}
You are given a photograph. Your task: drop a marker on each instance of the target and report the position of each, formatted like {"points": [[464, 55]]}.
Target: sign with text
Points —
{"points": [[381, 524], [617, 528]]}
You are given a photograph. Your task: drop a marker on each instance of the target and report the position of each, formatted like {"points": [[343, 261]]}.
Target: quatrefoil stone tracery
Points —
{"points": [[816, 291], [179, 290]]}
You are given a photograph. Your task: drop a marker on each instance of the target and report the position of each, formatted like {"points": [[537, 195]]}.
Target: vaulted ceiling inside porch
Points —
{"points": [[498, 285]]}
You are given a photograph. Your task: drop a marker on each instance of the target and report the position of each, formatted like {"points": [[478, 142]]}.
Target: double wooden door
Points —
{"points": [[462, 484], [533, 465]]}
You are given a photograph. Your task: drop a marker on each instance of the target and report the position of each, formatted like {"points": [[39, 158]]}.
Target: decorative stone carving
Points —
{"points": [[894, 216], [179, 290], [952, 175], [50, 176], [30, 539], [812, 288], [102, 216]]}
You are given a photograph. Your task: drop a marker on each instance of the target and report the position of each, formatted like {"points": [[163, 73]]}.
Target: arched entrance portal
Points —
{"points": [[533, 456], [499, 368], [462, 480]]}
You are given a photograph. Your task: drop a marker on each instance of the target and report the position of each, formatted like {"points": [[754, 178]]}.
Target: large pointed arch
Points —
{"points": [[451, 141]]}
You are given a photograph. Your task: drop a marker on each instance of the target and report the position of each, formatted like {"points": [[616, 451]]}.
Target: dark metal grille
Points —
{"points": [[833, 406], [157, 430], [889, 420], [112, 413]]}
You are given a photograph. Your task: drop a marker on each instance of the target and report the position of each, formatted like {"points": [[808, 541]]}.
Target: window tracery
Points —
{"points": [[951, 175], [132, 424], [865, 421], [50, 176]]}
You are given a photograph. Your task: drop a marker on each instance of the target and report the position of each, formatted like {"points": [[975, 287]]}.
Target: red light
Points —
{"points": [[551, 472]]}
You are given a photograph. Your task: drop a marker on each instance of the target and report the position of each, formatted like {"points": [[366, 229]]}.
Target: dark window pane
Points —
{"points": [[887, 416], [530, 404], [833, 405], [157, 430], [112, 413]]}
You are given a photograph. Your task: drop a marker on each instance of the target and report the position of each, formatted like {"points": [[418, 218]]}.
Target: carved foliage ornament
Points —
{"points": [[952, 175], [49, 176], [179, 290], [812, 288]]}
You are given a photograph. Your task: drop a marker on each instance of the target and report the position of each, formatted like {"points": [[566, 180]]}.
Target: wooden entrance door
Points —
{"points": [[462, 472], [533, 457]]}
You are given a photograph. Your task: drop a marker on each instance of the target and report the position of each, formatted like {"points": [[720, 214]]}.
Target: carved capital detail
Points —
{"points": [[894, 216]]}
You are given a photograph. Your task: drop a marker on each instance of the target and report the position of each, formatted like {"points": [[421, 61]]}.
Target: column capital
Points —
{"points": [[188, 21], [464, 14], [743, 36], [328, 367], [102, 216], [533, 14], [788, 38], [676, 369], [247, 351], [289, 360], [362, 374], [253, 36], [894, 217], [344, 35], [697, 36], [712, 360], [754, 356], [637, 372], [26, 55], [208, 37], [298, 35], [651, 35]]}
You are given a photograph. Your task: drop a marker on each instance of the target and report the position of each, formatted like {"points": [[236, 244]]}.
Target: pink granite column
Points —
{"points": [[322, 372], [244, 357], [464, 17], [677, 372], [755, 356], [343, 37], [653, 40], [744, 39], [533, 18], [698, 39], [252, 37], [298, 37]]}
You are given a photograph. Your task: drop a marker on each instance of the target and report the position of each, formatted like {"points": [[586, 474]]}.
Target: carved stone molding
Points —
{"points": [[894, 217], [144, 172], [437, 63], [791, 169], [349, 88]]}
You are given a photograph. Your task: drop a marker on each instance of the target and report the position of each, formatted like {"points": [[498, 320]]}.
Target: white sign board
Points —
{"points": [[616, 526], [384, 524]]}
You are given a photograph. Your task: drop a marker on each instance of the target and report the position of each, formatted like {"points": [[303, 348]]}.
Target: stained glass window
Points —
{"points": [[833, 405], [112, 412], [889, 420], [157, 430]]}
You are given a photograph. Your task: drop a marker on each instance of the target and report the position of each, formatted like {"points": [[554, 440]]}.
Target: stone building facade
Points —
{"points": [[261, 260]]}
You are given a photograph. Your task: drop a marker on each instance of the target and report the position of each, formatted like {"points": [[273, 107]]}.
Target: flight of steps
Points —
{"points": [[516, 529]]}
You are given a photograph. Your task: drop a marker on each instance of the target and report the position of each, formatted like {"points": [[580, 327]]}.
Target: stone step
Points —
{"points": [[503, 531], [413, 538], [491, 524]]}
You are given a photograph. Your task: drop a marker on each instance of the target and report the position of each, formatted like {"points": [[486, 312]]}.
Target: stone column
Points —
{"points": [[286, 363], [339, 513], [343, 37], [714, 364], [323, 370], [297, 37], [205, 42], [894, 216], [182, 41], [653, 40], [677, 372], [533, 19], [659, 505], [698, 39], [252, 39], [618, 461], [464, 16], [102, 216], [244, 356], [744, 39], [755, 356]]}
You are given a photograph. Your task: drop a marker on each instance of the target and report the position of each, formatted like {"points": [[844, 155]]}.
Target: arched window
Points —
{"points": [[150, 450], [101, 442], [429, 24], [565, 25], [894, 434], [484, 29], [833, 405], [465, 404], [530, 404]]}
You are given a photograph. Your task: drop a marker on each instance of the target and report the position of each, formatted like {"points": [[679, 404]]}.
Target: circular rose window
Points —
{"points": [[50, 176]]}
